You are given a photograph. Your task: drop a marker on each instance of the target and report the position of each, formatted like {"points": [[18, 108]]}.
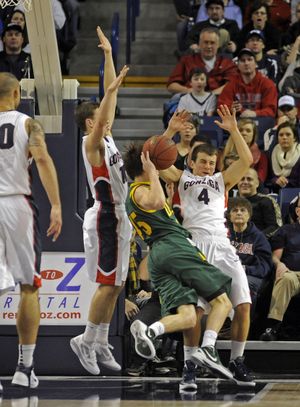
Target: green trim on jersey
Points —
{"points": [[151, 225]]}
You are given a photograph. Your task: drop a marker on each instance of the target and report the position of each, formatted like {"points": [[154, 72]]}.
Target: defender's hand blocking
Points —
{"points": [[228, 119], [178, 120], [104, 43], [119, 79]]}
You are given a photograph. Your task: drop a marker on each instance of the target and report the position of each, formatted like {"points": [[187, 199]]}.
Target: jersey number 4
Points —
{"points": [[203, 196], [6, 136]]}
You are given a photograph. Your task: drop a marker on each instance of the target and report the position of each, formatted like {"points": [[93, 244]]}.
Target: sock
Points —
{"points": [[209, 338], [90, 333], [26, 355], [102, 335], [157, 328], [188, 351], [237, 349]]}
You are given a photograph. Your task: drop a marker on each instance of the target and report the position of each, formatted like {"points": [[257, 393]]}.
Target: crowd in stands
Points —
{"points": [[246, 55], [15, 56]]}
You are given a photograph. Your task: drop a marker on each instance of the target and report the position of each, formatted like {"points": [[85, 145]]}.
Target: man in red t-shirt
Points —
{"points": [[219, 69], [250, 93]]}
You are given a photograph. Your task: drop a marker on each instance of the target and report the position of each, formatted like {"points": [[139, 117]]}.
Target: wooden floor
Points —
{"points": [[160, 392]]}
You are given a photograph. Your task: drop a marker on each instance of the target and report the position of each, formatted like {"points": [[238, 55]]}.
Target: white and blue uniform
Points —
{"points": [[203, 203], [20, 243], [106, 228]]}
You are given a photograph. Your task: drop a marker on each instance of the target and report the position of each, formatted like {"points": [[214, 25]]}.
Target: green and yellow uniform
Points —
{"points": [[177, 268]]}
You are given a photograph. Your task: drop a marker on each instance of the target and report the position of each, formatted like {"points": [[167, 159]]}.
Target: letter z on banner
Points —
{"points": [[64, 295]]}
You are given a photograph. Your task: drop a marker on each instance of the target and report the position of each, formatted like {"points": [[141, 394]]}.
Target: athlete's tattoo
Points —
{"points": [[36, 133]]}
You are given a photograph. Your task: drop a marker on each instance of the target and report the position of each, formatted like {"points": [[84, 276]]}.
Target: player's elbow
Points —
{"points": [[159, 203]]}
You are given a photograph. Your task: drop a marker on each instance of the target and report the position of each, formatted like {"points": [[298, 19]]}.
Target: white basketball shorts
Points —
{"points": [[106, 236], [20, 242]]}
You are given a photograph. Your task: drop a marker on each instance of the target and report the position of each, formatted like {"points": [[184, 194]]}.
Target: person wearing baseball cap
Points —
{"points": [[13, 59], [266, 64], [287, 112], [251, 94]]}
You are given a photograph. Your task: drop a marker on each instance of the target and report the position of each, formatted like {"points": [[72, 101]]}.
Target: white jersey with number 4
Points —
{"points": [[14, 150], [203, 203]]}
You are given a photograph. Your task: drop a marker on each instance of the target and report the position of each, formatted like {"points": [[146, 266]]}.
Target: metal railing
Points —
{"points": [[133, 11]]}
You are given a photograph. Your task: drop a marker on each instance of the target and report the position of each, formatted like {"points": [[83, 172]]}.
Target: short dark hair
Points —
{"points": [[257, 5], [85, 110], [197, 71], [202, 138], [132, 160], [208, 149], [291, 126], [240, 202], [218, 2]]}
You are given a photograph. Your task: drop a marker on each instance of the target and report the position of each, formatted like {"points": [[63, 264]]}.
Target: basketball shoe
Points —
{"points": [[144, 339], [86, 354], [188, 381], [25, 377], [208, 356], [105, 357], [241, 373]]}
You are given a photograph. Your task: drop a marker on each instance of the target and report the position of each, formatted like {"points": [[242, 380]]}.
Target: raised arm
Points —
{"points": [[152, 198], [177, 123], [47, 173], [104, 112], [235, 172], [109, 68]]}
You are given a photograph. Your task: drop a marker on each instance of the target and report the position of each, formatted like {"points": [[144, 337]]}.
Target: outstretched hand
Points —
{"points": [[178, 120], [228, 119], [104, 43], [119, 79]]}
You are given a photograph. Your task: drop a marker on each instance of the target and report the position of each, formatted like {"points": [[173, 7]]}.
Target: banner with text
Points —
{"points": [[65, 294]]}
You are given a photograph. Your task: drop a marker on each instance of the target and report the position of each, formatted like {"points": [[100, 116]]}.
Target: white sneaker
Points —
{"points": [[25, 377], [144, 343], [105, 357], [86, 354]]}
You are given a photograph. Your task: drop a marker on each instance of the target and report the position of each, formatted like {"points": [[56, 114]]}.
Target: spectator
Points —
{"points": [[198, 100], [187, 134], [290, 83], [287, 112], [18, 17], [215, 11], [185, 13], [12, 58], [231, 12], [248, 130], [285, 158], [266, 213], [259, 16], [286, 257], [251, 94], [280, 14], [251, 245], [267, 65], [294, 30], [219, 69]]}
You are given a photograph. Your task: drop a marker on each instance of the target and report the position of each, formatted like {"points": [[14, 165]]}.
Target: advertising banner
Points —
{"points": [[65, 293]]}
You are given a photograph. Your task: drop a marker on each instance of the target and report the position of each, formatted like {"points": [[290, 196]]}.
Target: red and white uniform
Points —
{"points": [[106, 228], [20, 243], [203, 204]]}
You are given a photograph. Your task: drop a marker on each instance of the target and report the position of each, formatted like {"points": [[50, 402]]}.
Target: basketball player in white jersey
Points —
{"points": [[106, 228], [203, 202], [21, 139]]}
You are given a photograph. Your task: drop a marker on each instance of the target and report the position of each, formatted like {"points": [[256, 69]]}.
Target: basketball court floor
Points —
{"points": [[123, 391]]}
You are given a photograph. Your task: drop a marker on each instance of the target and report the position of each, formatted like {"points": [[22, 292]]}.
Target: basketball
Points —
{"points": [[162, 151]]}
